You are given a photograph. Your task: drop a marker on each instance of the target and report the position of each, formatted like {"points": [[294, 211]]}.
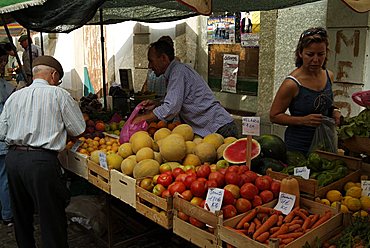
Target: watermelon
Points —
{"points": [[236, 152], [272, 146]]}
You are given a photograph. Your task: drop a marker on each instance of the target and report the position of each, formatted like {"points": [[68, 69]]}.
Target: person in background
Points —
{"points": [[26, 60], [3, 61], [153, 83], [35, 133], [188, 96], [13, 66], [306, 92]]}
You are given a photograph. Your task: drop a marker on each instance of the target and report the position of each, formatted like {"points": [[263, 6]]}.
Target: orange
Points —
{"points": [[100, 126], [161, 124]]}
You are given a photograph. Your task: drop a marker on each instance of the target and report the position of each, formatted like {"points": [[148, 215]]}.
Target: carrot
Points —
{"points": [[283, 229], [266, 226], [299, 229], [257, 222], [251, 229], [274, 229], [248, 217], [263, 237], [315, 218], [304, 211], [306, 224], [243, 232], [261, 216], [290, 235], [286, 241], [300, 214], [266, 210], [280, 220], [294, 227], [296, 217], [295, 222], [322, 219], [290, 216], [246, 225]]}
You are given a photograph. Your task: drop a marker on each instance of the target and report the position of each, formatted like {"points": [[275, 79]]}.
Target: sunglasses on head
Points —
{"points": [[311, 32]]}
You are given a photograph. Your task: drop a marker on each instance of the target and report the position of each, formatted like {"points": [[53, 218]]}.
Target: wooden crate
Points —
{"points": [[310, 187], [98, 176], [77, 163], [145, 198], [358, 144], [123, 187], [322, 232], [190, 232]]}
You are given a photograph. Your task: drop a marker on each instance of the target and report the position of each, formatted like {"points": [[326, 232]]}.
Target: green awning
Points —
{"points": [[13, 5]]}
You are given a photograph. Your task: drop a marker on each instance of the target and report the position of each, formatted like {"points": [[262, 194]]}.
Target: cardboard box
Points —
{"points": [[123, 187], [63, 158], [146, 199], [77, 163], [98, 176], [322, 232], [310, 187]]}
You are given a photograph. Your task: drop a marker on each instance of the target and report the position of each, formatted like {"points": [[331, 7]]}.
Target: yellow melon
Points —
{"points": [[161, 133], [125, 150], [155, 146], [355, 192], [185, 131], [354, 204], [139, 140], [127, 166], [144, 153], [365, 202], [197, 140], [146, 168], [173, 148], [94, 156], [215, 139], [229, 140], [158, 157], [206, 152], [191, 159], [349, 185], [334, 196], [190, 145], [114, 161], [220, 151]]}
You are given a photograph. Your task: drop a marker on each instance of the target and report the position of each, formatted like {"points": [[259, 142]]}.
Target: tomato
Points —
{"points": [[204, 171], [181, 177], [243, 205], [228, 198], [183, 216], [235, 190], [218, 177], [189, 180], [262, 183], [251, 176], [222, 171], [198, 188], [232, 168], [147, 184], [232, 178], [164, 179], [202, 204], [177, 187], [202, 179], [155, 178], [211, 184], [275, 188], [166, 194], [196, 222], [257, 201], [177, 171], [266, 196], [187, 195], [158, 189], [164, 167], [248, 191], [196, 201], [168, 173], [243, 169], [229, 211]]}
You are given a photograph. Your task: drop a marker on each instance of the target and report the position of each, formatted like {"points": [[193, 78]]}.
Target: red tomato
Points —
{"points": [[181, 177], [177, 187], [251, 176], [168, 173], [198, 188], [202, 179], [222, 171], [211, 184], [248, 191], [275, 188], [187, 195], [166, 194], [191, 172], [177, 171], [218, 177], [232, 168], [232, 178], [262, 183], [228, 198], [164, 179], [257, 201], [189, 180], [196, 222], [204, 170], [229, 211], [183, 216], [196, 201], [243, 205], [243, 169], [266, 196]]}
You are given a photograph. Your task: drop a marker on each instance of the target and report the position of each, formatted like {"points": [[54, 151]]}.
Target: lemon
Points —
{"points": [[325, 201], [344, 209], [334, 195], [334, 204], [365, 202], [361, 213], [354, 204], [349, 185], [345, 200], [354, 192]]}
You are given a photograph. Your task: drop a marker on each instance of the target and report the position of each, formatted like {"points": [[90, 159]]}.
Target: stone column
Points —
{"points": [[141, 43]]}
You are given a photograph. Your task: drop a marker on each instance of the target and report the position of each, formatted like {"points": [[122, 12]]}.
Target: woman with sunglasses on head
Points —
{"points": [[306, 92]]}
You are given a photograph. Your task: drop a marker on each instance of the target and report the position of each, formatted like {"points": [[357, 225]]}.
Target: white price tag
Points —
{"points": [[302, 171], [76, 145], [285, 203], [103, 160], [365, 186], [214, 199], [251, 126]]}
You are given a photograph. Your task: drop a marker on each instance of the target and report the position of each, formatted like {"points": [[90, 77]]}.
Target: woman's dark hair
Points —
{"points": [[9, 47], [312, 35], [163, 47]]}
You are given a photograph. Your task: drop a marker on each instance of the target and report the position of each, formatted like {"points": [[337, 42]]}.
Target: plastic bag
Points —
{"points": [[325, 137], [129, 129]]}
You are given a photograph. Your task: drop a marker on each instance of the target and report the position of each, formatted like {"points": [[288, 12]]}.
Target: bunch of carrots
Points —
{"points": [[263, 223]]}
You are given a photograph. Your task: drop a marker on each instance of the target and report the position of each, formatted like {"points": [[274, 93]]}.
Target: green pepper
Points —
{"points": [[324, 179], [327, 164], [314, 162], [314, 175]]}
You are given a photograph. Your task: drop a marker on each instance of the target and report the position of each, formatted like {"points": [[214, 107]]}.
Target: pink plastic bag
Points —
{"points": [[129, 129]]}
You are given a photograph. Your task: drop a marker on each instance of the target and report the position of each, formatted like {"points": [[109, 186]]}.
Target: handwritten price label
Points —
{"points": [[76, 145], [365, 186], [103, 160], [251, 126], [302, 171], [285, 203], [214, 199]]}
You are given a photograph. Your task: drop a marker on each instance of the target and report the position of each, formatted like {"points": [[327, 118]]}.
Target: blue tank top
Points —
{"points": [[308, 101]]}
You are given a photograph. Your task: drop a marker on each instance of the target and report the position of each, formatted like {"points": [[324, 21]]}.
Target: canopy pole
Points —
{"points": [[42, 44], [103, 60], [13, 46], [29, 54]]}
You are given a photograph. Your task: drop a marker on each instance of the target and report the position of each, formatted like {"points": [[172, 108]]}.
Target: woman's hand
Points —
{"points": [[336, 116], [148, 105], [313, 120]]}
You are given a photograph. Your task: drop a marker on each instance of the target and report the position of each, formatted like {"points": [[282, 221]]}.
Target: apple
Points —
{"points": [[158, 189], [188, 167], [164, 167], [222, 164]]}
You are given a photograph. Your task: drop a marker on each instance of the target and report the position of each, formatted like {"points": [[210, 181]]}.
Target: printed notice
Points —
{"points": [[76, 145], [285, 203], [251, 126], [103, 160], [214, 199], [230, 72], [302, 171], [365, 186]]}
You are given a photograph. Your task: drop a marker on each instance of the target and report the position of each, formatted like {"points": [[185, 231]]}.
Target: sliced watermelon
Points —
{"points": [[236, 152]]}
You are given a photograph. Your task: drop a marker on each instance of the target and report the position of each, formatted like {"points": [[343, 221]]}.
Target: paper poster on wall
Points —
{"points": [[229, 72], [249, 28], [221, 30]]}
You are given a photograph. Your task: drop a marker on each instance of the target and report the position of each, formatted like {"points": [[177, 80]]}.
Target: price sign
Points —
{"points": [[251, 126], [103, 160], [76, 145], [365, 186], [214, 199], [302, 171], [285, 203]]}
